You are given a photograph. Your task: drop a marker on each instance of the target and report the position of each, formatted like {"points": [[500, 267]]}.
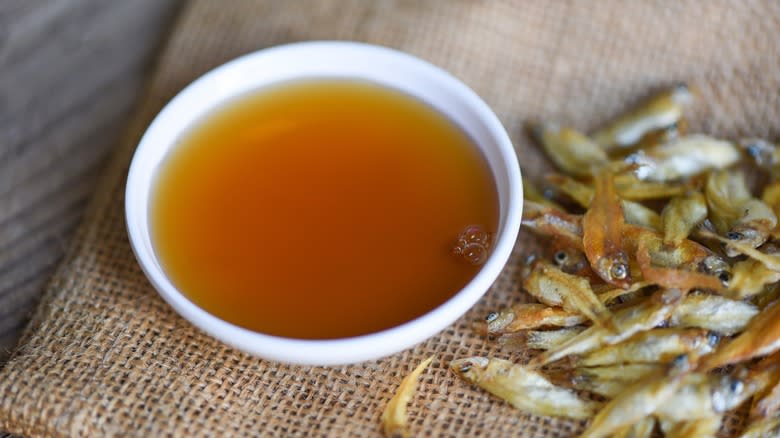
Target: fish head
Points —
{"points": [[614, 269], [498, 321], [644, 166], [681, 364], [469, 368], [728, 392], [570, 260], [746, 236], [760, 150], [704, 342], [714, 264]]}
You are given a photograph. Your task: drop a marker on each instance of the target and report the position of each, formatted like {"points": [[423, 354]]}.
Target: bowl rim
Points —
{"points": [[329, 351]]}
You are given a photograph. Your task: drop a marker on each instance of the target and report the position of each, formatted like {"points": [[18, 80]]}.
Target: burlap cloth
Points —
{"points": [[105, 355]]}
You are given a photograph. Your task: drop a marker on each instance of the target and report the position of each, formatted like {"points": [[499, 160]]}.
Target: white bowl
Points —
{"points": [[326, 60]]}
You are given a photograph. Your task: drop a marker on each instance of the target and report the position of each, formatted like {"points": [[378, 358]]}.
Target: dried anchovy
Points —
{"points": [[523, 388], [570, 150], [685, 157], [394, 421], [659, 112]]}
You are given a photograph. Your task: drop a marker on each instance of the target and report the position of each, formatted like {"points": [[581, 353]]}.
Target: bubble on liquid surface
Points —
{"points": [[473, 244]]}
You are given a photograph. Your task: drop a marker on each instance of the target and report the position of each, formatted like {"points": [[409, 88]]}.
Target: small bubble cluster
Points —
{"points": [[473, 244]]}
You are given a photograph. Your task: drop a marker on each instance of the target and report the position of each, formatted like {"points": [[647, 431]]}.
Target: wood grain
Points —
{"points": [[70, 72]]}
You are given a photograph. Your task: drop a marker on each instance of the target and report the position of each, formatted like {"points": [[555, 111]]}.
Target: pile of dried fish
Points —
{"points": [[658, 293]]}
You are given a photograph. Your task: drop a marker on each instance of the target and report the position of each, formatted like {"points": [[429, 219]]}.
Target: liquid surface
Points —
{"points": [[320, 209]]}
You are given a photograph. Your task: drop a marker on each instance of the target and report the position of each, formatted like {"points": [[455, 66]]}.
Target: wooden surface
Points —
{"points": [[70, 73]]}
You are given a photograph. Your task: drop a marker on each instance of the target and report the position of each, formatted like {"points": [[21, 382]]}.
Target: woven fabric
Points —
{"points": [[106, 356]]}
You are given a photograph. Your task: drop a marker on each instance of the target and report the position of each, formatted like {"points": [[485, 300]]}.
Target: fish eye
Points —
{"points": [[680, 362], [492, 316], [465, 367], [618, 271], [734, 235], [736, 386], [561, 257], [724, 278]]}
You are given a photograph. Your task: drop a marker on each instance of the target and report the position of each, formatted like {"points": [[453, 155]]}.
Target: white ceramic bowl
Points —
{"points": [[322, 60]]}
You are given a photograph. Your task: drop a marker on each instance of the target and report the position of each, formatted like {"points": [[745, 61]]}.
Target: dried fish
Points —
{"points": [[554, 287], [713, 312], [530, 316], [606, 388], [749, 277], [696, 409], [570, 150], [652, 139], [681, 215], [715, 265], [539, 339], [658, 345], [725, 192], [551, 222], [669, 266], [755, 225], [394, 418], [702, 396], [573, 261], [634, 212], [735, 213], [682, 279], [611, 380], [685, 157], [687, 253], [629, 321], [659, 112], [523, 388], [761, 337], [638, 400], [771, 261], [602, 234], [765, 154]]}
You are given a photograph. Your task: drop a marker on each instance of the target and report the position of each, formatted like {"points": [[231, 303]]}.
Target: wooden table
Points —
{"points": [[70, 74]]}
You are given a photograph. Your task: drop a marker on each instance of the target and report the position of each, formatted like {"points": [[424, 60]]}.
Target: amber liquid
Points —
{"points": [[320, 209]]}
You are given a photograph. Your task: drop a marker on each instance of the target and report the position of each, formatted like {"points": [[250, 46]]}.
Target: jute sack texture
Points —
{"points": [[106, 356]]}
